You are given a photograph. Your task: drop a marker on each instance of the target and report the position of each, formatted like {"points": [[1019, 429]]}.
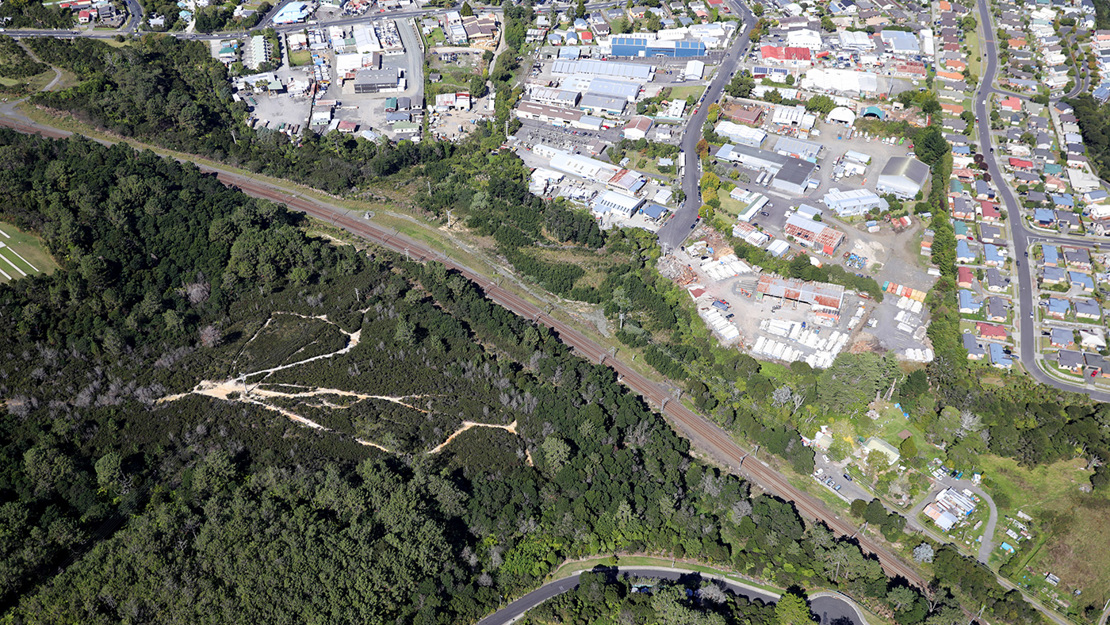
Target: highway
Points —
{"points": [[828, 607], [675, 231], [1023, 237]]}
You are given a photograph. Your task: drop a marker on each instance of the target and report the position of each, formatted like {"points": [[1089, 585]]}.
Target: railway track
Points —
{"points": [[702, 433]]}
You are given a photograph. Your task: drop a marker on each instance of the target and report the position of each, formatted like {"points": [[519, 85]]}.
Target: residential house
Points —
{"points": [[975, 351], [1087, 309], [1061, 338], [968, 305], [996, 282], [964, 277], [991, 331], [1077, 258], [1058, 308]]}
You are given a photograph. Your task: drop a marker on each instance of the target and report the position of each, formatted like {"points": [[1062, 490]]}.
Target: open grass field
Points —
{"points": [[22, 254], [1072, 526], [300, 57], [681, 93]]}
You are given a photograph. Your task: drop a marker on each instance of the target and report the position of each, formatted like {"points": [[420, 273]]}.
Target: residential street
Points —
{"points": [[675, 231], [1022, 237], [829, 607]]}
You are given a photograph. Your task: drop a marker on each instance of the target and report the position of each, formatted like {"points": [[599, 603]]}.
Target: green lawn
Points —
{"points": [[973, 45], [300, 57], [681, 93], [437, 37], [22, 255]]}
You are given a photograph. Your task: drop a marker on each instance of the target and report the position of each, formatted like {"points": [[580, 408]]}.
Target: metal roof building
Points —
{"points": [[813, 233], [613, 69], [903, 176], [817, 294], [798, 148], [641, 46], [744, 135], [852, 203], [793, 176]]}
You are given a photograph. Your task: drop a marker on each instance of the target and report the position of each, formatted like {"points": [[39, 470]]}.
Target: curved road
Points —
{"points": [[675, 231], [1023, 237], [828, 606]]}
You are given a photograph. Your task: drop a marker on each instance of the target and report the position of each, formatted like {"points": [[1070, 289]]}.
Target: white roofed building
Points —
{"points": [[852, 203]]}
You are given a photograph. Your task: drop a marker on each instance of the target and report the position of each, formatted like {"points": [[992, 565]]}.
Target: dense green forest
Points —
{"points": [[1096, 135], [34, 14], [15, 62], [127, 501]]}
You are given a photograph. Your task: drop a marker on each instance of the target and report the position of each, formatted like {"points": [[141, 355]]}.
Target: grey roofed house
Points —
{"points": [[974, 350], [996, 308], [1038, 122], [1037, 197], [989, 233], [1070, 359], [1026, 177], [955, 123], [1067, 218], [1076, 148], [955, 139], [1087, 308], [1054, 275], [1045, 154], [1062, 336], [1077, 255], [1013, 135], [995, 281]]}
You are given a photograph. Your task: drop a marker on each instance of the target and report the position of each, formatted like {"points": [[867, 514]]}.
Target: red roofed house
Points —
{"points": [[964, 277], [951, 75], [952, 109], [84, 16], [585, 35], [1018, 44], [955, 64], [1053, 183], [990, 330], [989, 211], [964, 174], [1020, 164], [1011, 104]]}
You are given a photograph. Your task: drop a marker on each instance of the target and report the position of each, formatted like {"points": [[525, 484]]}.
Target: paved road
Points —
{"points": [[675, 231], [1023, 238], [828, 606]]}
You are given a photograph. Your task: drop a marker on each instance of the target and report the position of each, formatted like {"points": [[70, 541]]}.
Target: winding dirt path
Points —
{"points": [[237, 389], [466, 425]]}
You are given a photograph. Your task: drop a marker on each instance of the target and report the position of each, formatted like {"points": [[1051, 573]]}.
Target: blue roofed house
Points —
{"points": [[1051, 255], [1044, 217], [1087, 309], [975, 351], [1058, 308], [993, 255], [1063, 200], [1082, 280], [653, 211], [998, 356], [963, 252], [968, 305]]}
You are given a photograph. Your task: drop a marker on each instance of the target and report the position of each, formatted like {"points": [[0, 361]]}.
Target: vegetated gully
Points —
{"points": [[703, 434]]}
